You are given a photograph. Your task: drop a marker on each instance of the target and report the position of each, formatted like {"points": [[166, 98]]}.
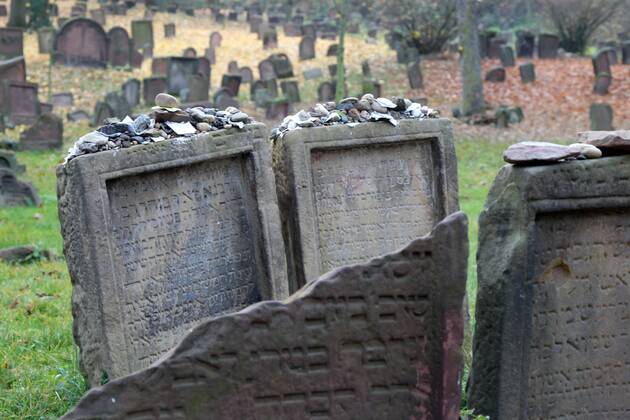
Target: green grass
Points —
{"points": [[39, 375]]}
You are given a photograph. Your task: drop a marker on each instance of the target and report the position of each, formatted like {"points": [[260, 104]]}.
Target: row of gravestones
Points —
{"points": [[602, 67], [492, 45], [193, 233]]}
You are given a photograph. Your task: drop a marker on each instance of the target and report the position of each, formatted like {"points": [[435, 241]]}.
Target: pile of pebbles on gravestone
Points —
{"points": [[353, 111], [165, 122]]}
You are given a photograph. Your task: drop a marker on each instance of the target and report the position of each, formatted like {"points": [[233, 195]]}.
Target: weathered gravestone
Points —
{"points": [[601, 63], [307, 48], [312, 74], [215, 40], [178, 69], [602, 84], [291, 91], [102, 111], [45, 40], [198, 88], [46, 133], [548, 46], [14, 192], [189, 52], [210, 55], [266, 70], [282, 66], [332, 50], [351, 193], [78, 115], [247, 75], [223, 99], [326, 92], [277, 108], [188, 229], [496, 75], [552, 307], [9, 161], [11, 43], [527, 72], [170, 30], [98, 15], [260, 94], [142, 33], [232, 82], [3, 10], [118, 103], [118, 47], [507, 56], [21, 103], [159, 66], [131, 91], [233, 67], [292, 29], [379, 340], [13, 69], [270, 40], [525, 44], [151, 86], [414, 74], [81, 42], [601, 117]]}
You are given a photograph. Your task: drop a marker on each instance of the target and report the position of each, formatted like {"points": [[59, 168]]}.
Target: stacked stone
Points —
{"points": [[166, 121], [353, 111]]}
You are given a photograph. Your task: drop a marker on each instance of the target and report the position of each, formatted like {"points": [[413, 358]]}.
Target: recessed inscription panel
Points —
{"points": [[580, 345], [372, 199], [183, 248]]}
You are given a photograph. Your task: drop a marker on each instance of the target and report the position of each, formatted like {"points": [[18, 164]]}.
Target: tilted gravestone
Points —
{"points": [[601, 117], [188, 229], [151, 86], [131, 90], [548, 46], [14, 192], [21, 103], [379, 340], [232, 82], [307, 48], [142, 33], [282, 66], [527, 72], [552, 303], [496, 75], [11, 43], [81, 42], [118, 47], [351, 193], [46, 133]]}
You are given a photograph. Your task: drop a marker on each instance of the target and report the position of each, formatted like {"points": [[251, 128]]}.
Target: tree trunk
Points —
{"points": [[17, 18], [472, 84], [340, 89]]}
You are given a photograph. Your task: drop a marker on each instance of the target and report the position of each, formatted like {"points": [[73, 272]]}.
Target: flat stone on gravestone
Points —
{"points": [[11, 43], [81, 42], [312, 74], [142, 33], [601, 117], [188, 229], [46, 133], [527, 72], [347, 194], [381, 340], [553, 264], [21, 103], [14, 193]]}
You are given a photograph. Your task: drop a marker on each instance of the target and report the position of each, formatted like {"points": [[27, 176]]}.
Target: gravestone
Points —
{"points": [[189, 230], [118, 103], [551, 305], [62, 100], [612, 55], [102, 112], [142, 33], [233, 67], [277, 108], [309, 30], [3, 10], [98, 16], [198, 88], [291, 91], [374, 341], [223, 99], [527, 72], [79, 115], [11, 43], [21, 103], [137, 57], [266, 70], [373, 86], [178, 69], [625, 52], [292, 29], [13, 69], [232, 82], [414, 74], [347, 194], [9, 161], [496, 75], [525, 44], [170, 30], [494, 47], [601, 64], [332, 50], [131, 91], [601, 117], [270, 40], [247, 75], [45, 40], [312, 74], [326, 92], [46, 133], [282, 66], [507, 56], [190, 52], [81, 42], [118, 47], [365, 69], [602, 84], [211, 55], [259, 94], [15, 193], [254, 24], [203, 68], [215, 40], [151, 86], [548, 46], [159, 66], [307, 48]]}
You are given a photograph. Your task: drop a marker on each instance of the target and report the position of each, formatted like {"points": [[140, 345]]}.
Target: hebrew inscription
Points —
{"points": [[579, 349], [375, 341], [182, 249], [371, 199]]}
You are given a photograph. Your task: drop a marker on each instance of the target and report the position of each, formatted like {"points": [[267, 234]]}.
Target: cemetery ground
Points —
{"points": [[39, 375]]}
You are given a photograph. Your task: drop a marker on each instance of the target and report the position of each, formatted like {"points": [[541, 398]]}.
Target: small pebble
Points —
{"points": [[166, 101]]}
